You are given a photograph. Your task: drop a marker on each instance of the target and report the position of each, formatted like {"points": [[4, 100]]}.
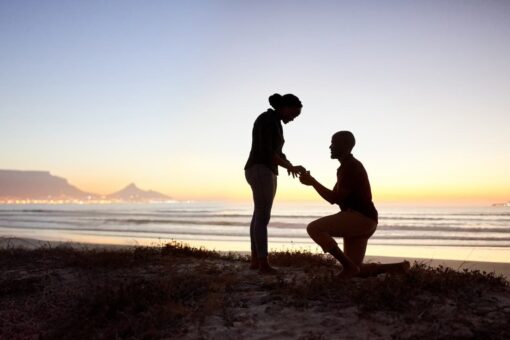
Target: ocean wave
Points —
{"points": [[289, 225], [145, 217], [451, 227], [248, 212], [245, 233], [172, 221]]}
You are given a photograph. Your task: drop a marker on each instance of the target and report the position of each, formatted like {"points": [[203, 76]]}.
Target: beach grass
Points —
{"points": [[175, 290]]}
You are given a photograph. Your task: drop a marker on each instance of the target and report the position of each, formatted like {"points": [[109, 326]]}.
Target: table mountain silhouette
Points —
{"points": [[42, 185], [133, 193]]}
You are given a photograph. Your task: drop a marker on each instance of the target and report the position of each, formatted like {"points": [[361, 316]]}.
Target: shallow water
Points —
{"points": [[464, 233]]}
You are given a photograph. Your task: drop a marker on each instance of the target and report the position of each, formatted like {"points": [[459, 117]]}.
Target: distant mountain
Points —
{"points": [[133, 193], [15, 184], [41, 185]]}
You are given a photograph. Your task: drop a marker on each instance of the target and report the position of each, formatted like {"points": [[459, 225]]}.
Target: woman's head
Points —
{"points": [[287, 106]]}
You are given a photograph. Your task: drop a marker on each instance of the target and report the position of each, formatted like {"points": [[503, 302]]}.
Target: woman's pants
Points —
{"points": [[263, 185]]}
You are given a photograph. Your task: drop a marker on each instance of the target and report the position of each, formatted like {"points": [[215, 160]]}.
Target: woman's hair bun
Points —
{"points": [[275, 100]]}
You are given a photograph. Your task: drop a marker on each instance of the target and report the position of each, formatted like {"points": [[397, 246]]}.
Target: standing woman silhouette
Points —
{"points": [[261, 170]]}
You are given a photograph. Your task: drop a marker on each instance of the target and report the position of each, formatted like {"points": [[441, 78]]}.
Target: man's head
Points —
{"points": [[342, 143]]}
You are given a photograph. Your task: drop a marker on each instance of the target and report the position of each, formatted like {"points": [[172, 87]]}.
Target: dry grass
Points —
{"points": [[155, 292], [62, 292], [301, 259]]}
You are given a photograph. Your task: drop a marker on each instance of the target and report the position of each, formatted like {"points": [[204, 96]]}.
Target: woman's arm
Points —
{"points": [[264, 132], [284, 162], [328, 195]]}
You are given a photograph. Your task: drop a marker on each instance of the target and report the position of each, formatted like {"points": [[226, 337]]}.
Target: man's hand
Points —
{"points": [[306, 178], [296, 171]]}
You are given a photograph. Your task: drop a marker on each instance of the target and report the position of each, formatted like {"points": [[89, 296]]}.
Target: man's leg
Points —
{"points": [[343, 224], [349, 269], [355, 249], [347, 225], [374, 269]]}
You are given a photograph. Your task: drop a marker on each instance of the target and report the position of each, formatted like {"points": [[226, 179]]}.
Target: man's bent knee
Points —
{"points": [[311, 228], [323, 239]]}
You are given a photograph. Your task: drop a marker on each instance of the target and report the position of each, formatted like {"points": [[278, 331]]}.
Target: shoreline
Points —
{"points": [[489, 267]]}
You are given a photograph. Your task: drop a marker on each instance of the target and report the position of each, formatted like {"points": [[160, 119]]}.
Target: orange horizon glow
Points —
{"points": [[240, 192], [228, 183]]}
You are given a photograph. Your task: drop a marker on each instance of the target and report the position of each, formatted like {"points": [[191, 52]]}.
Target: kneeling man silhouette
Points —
{"points": [[358, 218]]}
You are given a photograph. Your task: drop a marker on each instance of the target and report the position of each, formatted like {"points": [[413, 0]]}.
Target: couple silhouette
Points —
{"points": [[355, 223]]}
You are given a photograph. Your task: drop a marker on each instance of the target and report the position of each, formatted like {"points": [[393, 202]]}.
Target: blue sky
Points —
{"points": [[165, 93]]}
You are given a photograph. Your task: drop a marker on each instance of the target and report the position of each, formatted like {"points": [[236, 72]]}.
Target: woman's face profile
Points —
{"points": [[289, 113]]}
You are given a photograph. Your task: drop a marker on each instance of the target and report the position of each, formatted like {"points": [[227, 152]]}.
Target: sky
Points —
{"points": [[165, 93]]}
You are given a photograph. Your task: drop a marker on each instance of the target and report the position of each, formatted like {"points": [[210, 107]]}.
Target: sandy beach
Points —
{"points": [[175, 291]]}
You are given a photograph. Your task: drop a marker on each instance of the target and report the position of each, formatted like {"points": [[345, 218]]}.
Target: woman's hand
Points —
{"points": [[296, 170], [306, 178]]}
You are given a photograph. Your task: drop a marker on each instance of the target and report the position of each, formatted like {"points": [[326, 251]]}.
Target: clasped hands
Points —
{"points": [[304, 175]]}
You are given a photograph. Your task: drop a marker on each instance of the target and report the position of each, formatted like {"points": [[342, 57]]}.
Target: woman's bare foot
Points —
{"points": [[265, 268], [268, 271], [254, 263]]}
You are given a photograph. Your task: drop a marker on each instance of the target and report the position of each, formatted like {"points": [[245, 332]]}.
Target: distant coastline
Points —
{"points": [[41, 187]]}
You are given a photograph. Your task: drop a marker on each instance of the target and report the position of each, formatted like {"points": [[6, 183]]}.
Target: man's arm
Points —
{"points": [[328, 195]]}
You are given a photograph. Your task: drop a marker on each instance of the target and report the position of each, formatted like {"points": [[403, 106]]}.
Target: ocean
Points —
{"points": [[460, 233]]}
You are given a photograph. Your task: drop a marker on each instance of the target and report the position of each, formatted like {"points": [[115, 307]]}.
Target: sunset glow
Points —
{"points": [[423, 86]]}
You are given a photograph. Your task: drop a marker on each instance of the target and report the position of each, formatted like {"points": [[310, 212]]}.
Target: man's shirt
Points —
{"points": [[352, 189]]}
